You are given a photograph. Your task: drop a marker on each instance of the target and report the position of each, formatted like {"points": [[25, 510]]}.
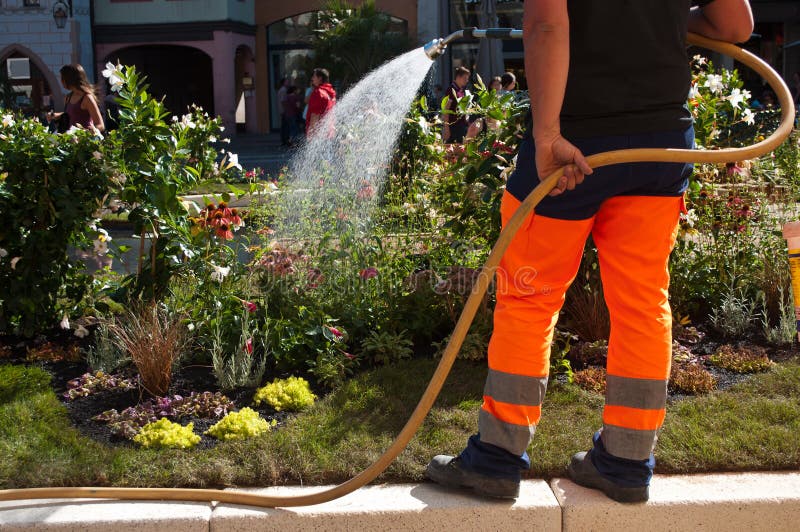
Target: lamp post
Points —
{"points": [[60, 14]]}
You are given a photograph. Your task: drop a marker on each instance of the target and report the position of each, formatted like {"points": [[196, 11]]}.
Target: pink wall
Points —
{"points": [[222, 51]]}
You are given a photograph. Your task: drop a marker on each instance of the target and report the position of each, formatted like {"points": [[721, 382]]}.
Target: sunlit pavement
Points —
{"points": [[259, 151], [718, 502]]}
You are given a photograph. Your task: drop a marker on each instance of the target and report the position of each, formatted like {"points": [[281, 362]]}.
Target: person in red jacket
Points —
{"points": [[322, 99]]}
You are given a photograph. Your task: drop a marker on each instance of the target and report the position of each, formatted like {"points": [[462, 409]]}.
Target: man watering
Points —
{"points": [[602, 75]]}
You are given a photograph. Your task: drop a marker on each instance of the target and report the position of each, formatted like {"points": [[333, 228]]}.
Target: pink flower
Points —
{"points": [[368, 273], [365, 192], [248, 346], [336, 332], [314, 277], [250, 306]]}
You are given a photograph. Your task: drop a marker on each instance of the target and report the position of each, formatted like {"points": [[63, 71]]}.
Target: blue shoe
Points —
{"points": [[582, 471], [449, 471]]}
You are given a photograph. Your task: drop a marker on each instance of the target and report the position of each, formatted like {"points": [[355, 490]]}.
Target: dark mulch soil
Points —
{"points": [[200, 378], [81, 410]]}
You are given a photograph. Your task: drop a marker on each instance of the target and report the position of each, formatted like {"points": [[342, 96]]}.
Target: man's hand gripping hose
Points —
{"points": [[470, 308]]}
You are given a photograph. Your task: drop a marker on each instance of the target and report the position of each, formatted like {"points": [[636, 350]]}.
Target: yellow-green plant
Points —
{"points": [[293, 394], [166, 434], [246, 423]]}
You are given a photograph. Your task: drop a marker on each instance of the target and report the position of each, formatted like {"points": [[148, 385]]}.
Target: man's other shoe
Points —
{"points": [[449, 471], [582, 471]]}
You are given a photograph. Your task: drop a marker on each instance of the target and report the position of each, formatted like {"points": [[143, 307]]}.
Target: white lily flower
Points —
{"points": [[231, 160], [219, 273], [690, 217], [737, 97], [186, 120], [8, 120], [81, 332], [64, 324], [100, 247], [114, 74], [110, 70], [694, 92], [714, 83], [748, 117]]}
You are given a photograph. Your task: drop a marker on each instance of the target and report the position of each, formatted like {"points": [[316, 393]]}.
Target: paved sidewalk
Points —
{"points": [[257, 150], [768, 502]]}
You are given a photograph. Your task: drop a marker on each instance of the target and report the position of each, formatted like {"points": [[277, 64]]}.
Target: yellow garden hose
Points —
{"points": [[470, 308]]}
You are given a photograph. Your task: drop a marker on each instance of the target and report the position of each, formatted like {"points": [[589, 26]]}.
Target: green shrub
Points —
{"points": [[20, 380], [105, 355], [735, 315], [246, 423], [786, 330], [385, 347], [164, 434], [50, 187], [744, 360], [293, 394]]}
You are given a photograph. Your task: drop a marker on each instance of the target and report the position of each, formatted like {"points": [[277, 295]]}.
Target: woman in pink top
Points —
{"points": [[81, 103]]}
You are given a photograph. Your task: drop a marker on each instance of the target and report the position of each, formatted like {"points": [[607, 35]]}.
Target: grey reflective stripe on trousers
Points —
{"points": [[647, 394], [516, 390], [644, 394], [632, 444]]}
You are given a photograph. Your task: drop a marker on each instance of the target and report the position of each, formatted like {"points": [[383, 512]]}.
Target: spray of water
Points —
{"points": [[337, 175]]}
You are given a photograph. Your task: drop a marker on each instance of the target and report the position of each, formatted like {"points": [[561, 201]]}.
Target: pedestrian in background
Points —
{"points": [[321, 100], [283, 86], [455, 122], [80, 104], [291, 110], [508, 83], [575, 70]]}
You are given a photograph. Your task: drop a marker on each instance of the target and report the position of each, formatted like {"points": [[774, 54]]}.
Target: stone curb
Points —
{"points": [[720, 502]]}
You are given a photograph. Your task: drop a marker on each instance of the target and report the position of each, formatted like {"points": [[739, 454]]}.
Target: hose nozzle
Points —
{"points": [[434, 49]]}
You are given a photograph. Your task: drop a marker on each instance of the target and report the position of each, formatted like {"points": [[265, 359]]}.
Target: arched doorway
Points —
{"points": [[244, 74], [181, 74], [31, 87]]}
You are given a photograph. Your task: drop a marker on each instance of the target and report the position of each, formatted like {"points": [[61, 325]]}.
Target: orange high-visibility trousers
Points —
{"points": [[634, 237]]}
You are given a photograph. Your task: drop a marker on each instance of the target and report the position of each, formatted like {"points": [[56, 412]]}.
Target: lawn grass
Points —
{"points": [[752, 426]]}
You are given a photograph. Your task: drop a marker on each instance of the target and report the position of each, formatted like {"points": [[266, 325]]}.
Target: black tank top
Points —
{"points": [[628, 71]]}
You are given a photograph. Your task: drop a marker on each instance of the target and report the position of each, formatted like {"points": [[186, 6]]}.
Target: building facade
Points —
{"points": [[37, 38], [192, 52], [228, 55]]}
